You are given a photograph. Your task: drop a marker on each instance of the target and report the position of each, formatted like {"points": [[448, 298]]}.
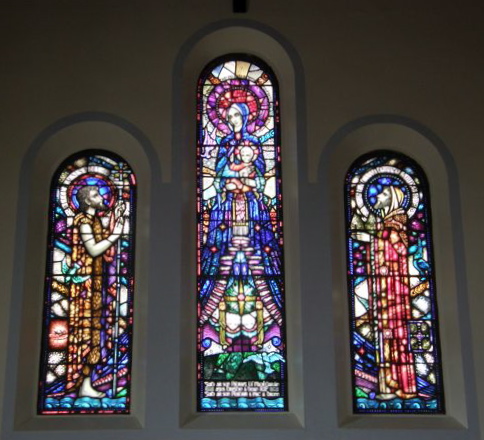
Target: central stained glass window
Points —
{"points": [[241, 332]]}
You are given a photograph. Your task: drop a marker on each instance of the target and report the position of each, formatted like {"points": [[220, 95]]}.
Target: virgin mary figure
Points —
{"points": [[241, 258]]}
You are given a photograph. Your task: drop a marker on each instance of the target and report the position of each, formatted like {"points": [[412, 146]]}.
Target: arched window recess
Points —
{"points": [[241, 314]]}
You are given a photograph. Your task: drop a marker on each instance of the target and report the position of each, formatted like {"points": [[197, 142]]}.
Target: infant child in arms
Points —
{"points": [[245, 169]]}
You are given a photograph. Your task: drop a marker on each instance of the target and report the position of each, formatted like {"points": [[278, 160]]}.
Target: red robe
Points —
{"points": [[391, 291]]}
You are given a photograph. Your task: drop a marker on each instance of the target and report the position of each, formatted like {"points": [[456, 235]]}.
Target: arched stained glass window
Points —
{"points": [[241, 333], [394, 328], [85, 362]]}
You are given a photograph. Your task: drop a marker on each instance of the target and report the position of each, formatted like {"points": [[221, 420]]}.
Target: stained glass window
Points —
{"points": [[396, 364], [88, 301], [241, 334]]}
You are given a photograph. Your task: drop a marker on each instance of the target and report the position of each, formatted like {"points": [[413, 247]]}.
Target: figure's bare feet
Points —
{"points": [[404, 395], [385, 396], [87, 390]]}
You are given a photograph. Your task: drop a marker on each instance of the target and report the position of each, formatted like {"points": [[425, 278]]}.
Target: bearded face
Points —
{"points": [[384, 199], [96, 201], [89, 197]]}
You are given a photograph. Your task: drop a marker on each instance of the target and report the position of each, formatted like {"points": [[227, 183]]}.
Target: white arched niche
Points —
{"points": [[202, 50], [438, 166], [75, 134]]}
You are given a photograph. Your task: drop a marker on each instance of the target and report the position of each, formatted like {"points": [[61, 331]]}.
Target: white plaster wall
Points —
{"points": [[344, 66]]}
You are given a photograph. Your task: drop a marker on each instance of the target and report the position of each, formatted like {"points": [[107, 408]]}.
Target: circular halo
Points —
{"points": [[80, 178], [248, 144], [386, 175], [237, 91]]}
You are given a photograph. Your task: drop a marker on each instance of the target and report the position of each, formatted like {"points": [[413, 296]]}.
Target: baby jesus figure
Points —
{"points": [[245, 180]]}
